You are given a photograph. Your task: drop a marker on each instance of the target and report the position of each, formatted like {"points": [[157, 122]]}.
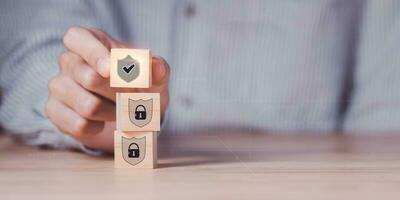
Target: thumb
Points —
{"points": [[160, 74], [160, 79]]}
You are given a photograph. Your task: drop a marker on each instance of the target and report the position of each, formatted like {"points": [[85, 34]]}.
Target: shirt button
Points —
{"points": [[190, 10], [186, 102]]}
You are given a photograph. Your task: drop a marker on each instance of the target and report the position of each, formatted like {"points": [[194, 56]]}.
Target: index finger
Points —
{"points": [[82, 42]]}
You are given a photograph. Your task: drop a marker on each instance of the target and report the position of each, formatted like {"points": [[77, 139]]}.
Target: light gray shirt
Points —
{"points": [[269, 65]]}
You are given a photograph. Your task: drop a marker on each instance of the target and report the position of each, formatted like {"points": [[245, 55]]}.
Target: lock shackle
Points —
{"points": [[144, 108], [129, 148]]}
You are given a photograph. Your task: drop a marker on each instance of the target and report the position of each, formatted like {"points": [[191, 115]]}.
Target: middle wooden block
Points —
{"points": [[138, 111]]}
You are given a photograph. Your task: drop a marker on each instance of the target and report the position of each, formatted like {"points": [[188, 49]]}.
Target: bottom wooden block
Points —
{"points": [[135, 149]]}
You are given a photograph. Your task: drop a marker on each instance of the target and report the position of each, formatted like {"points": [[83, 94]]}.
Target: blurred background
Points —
{"points": [[316, 66]]}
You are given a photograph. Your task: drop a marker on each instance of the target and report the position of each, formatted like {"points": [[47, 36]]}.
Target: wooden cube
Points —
{"points": [[138, 111], [130, 68], [135, 149]]}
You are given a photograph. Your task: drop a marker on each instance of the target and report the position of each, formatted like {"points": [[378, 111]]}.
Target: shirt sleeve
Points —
{"points": [[31, 41], [375, 101]]}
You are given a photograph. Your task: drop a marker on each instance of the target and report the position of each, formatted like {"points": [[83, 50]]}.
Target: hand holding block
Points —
{"points": [[138, 111], [130, 68], [135, 149]]}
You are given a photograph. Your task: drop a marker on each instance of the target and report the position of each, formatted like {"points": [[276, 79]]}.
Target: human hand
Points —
{"points": [[81, 102]]}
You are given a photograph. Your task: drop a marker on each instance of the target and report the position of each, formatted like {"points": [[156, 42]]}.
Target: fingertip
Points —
{"points": [[103, 66], [160, 70]]}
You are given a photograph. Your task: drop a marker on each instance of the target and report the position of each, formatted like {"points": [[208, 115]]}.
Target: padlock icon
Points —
{"points": [[140, 112], [133, 150]]}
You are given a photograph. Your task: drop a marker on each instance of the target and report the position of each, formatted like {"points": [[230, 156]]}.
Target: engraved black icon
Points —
{"points": [[133, 150], [128, 69], [140, 112]]}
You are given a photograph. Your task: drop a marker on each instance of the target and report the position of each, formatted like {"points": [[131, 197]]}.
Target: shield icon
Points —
{"points": [[133, 149], [140, 111], [128, 68]]}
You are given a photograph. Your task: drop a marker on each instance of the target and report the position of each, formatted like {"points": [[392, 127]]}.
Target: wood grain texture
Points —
{"points": [[143, 56], [214, 165]]}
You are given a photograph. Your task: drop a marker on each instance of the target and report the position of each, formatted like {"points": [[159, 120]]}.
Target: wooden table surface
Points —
{"points": [[214, 166]]}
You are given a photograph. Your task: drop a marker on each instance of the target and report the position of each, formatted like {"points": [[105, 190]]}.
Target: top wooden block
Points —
{"points": [[130, 68]]}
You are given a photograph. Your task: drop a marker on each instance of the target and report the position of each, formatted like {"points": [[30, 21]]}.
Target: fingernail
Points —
{"points": [[162, 71], [103, 64]]}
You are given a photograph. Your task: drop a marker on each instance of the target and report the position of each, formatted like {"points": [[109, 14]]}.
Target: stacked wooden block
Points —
{"points": [[137, 114]]}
